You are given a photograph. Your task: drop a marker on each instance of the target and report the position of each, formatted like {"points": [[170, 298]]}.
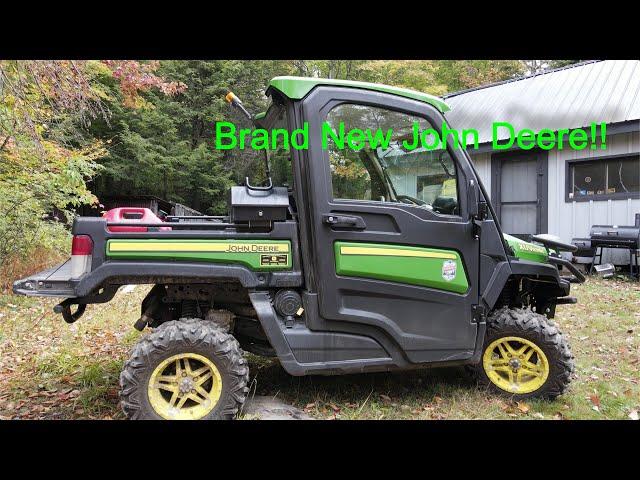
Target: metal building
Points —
{"points": [[560, 191]]}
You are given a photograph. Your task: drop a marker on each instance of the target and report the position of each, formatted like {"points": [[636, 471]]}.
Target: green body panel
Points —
{"points": [[381, 262], [259, 255], [298, 87], [527, 251]]}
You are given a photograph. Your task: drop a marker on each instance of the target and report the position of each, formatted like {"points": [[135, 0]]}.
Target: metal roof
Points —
{"points": [[570, 97]]}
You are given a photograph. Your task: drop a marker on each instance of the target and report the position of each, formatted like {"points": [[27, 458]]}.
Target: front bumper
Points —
{"points": [[577, 274]]}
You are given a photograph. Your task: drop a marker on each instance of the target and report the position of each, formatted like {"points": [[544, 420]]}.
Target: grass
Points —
{"points": [[49, 369]]}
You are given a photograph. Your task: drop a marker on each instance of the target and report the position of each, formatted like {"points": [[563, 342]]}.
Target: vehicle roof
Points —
{"points": [[298, 87]]}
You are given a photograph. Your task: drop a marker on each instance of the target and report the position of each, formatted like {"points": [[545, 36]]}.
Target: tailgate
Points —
{"points": [[54, 282]]}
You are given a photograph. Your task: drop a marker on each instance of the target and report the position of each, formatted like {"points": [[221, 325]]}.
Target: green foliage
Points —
{"points": [[562, 63], [47, 157], [72, 132], [463, 74], [43, 167], [421, 75], [166, 146]]}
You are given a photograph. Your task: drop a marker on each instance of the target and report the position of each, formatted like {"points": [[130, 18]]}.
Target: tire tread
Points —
{"points": [[185, 332], [542, 331]]}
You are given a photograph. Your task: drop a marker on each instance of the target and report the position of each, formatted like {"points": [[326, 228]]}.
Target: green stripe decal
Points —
{"points": [[426, 267], [263, 255]]}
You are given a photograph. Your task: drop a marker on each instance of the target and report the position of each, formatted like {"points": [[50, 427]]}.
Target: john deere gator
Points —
{"points": [[366, 260]]}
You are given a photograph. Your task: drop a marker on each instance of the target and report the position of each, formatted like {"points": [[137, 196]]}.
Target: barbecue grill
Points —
{"points": [[584, 253], [616, 236]]}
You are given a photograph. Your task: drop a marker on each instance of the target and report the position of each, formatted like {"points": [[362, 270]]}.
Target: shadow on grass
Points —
{"points": [[410, 388]]}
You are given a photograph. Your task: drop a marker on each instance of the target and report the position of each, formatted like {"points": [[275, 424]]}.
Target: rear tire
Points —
{"points": [[540, 339], [193, 359]]}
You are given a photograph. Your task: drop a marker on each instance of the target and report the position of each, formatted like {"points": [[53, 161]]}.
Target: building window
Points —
{"points": [[613, 177]]}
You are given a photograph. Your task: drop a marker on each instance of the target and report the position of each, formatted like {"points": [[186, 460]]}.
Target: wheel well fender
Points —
{"points": [[505, 272]]}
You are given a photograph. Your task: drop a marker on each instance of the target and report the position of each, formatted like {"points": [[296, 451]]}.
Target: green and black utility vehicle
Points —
{"points": [[370, 259]]}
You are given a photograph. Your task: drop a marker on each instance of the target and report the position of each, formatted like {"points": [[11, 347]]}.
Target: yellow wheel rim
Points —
{"points": [[186, 386], [515, 365]]}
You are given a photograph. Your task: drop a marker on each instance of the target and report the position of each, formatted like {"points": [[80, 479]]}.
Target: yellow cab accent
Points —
{"points": [[132, 246], [394, 252]]}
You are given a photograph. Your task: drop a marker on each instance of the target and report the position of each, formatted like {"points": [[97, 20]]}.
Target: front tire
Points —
{"points": [[524, 356], [184, 370]]}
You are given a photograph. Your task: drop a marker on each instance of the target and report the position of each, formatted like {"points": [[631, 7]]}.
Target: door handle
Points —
{"points": [[344, 221]]}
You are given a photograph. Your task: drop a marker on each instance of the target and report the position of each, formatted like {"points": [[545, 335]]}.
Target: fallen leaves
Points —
{"points": [[518, 409], [385, 398], [48, 369], [523, 407]]}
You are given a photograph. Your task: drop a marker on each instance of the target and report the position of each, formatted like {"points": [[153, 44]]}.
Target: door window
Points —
{"points": [[392, 171]]}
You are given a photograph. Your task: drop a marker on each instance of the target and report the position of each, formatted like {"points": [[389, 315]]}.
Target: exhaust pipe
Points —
{"points": [[147, 316]]}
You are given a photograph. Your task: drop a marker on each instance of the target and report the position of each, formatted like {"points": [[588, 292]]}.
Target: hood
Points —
{"points": [[527, 251]]}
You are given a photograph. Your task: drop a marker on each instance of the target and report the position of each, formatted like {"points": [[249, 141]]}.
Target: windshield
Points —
{"points": [[274, 119], [419, 175]]}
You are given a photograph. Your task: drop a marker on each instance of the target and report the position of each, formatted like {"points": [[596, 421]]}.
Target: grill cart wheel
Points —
{"points": [[185, 370], [524, 356]]}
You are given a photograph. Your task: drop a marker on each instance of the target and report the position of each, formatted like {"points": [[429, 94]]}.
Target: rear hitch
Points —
{"points": [[65, 309]]}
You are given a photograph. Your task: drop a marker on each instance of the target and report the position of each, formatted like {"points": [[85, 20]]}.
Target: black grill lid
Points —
{"points": [[615, 235]]}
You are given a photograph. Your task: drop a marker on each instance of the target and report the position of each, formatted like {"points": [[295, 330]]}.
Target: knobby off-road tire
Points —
{"points": [[537, 329], [193, 338]]}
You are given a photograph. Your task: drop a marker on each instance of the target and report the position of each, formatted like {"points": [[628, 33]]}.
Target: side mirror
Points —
{"points": [[473, 198]]}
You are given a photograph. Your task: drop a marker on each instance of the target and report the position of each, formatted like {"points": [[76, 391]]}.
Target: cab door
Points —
{"points": [[393, 245]]}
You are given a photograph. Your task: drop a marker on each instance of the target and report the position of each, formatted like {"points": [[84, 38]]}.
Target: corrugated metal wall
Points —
{"points": [[482, 162], [574, 219]]}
